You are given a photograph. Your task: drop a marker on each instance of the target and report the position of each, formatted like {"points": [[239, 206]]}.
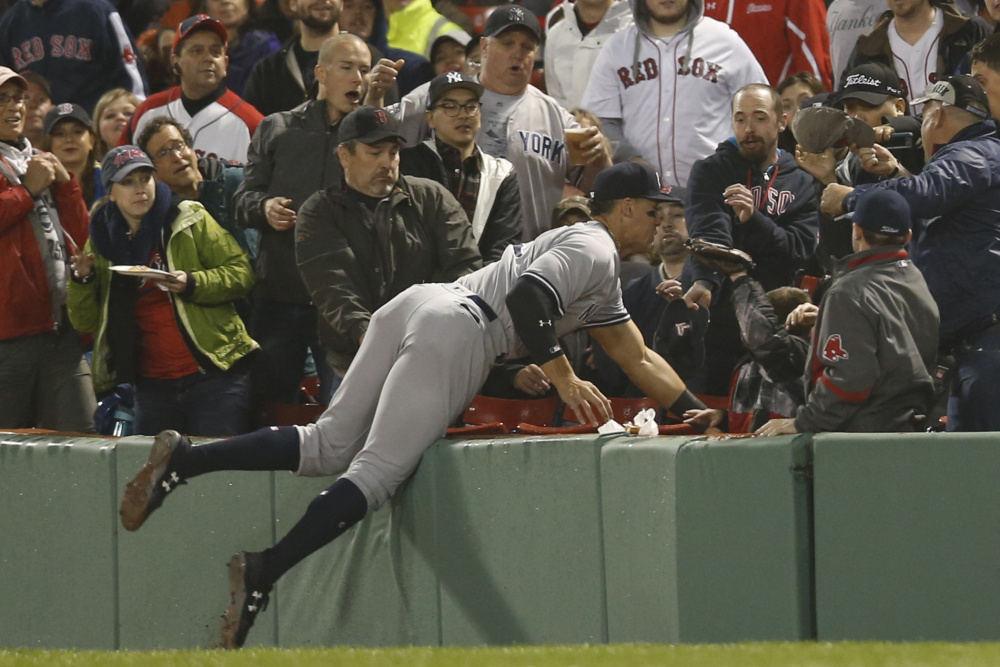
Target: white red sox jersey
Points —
{"points": [[672, 95], [223, 129], [578, 265]]}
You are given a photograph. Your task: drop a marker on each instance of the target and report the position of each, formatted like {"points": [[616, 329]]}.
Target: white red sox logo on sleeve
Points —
{"points": [[833, 349]]}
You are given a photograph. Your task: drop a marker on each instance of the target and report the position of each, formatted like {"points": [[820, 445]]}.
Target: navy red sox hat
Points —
{"points": [[200, 22], [369, 125], [882, 211], [506, 17], [631, 180], [61, 112], [122, 161]]}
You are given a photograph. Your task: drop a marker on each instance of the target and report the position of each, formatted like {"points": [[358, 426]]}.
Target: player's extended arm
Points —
{"points": [[647, 370], [534, 313]]}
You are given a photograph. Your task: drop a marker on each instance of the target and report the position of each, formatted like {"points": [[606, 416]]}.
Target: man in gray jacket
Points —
{"points": [[360, 244], [875, 344]]}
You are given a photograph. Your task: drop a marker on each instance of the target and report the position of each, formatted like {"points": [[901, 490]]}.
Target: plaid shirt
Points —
{"points": [[463, 175]]}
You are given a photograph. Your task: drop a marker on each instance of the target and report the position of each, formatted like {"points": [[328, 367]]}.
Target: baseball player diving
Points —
{"points": [[426, 354]]}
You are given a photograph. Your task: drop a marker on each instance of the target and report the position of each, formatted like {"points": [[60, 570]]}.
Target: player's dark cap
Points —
{"points": [[960, 91], [505, 17], [681, 337], [122, 161], [630, 180], [873, 83], [200, 22], [369, 125], [672, 193], [7, 74], [442, 83], [61, 112], [883, 212]]}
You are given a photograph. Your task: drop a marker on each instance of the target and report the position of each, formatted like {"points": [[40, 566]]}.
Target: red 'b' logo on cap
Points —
{"points": [[380, 118]]}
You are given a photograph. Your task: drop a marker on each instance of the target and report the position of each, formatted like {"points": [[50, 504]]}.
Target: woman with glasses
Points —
{"points": [[155, 285], [485, 186], [44, 379]]}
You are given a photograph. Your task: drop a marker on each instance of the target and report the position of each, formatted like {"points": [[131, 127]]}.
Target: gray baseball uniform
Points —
{"points": [[428, 351]]}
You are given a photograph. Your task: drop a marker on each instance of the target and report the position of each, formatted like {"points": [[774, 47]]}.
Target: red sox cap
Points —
{"points": [[61, 112], [200, 22], [369, 125], [122, 161]]}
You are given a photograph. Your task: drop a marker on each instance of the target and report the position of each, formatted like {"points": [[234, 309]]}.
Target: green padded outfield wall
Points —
{"points": [[908, 537], [707, 541], [58, 573]]}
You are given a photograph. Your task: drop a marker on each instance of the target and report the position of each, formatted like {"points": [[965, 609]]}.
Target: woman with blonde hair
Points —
{"points": [[111, 114]]}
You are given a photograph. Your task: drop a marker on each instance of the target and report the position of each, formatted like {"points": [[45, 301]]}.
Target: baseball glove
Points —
{"points": [[819, 128], [719, 257]]}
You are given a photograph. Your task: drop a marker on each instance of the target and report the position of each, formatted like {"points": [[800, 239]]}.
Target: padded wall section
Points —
{"points": [[519, 548], [173, 579], [908, 537], [57, 570], [707, 541], [371, 586]]}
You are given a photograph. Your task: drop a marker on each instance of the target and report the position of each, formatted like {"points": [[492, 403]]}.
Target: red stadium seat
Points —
{"points": [[289, 414], [487, 410]]}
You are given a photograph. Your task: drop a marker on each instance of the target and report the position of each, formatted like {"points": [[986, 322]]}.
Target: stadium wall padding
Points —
{"points": [[565, 539]]}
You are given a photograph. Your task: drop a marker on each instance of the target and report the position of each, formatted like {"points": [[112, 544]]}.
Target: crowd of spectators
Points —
{"points": [[281, 170]]}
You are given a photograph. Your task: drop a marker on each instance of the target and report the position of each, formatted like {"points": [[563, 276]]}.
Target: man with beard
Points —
{"points": [[286, 78], [752, 196], [293, 156]]}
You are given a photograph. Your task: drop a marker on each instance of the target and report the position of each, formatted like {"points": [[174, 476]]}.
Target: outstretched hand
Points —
{"points": [[586, 401]]}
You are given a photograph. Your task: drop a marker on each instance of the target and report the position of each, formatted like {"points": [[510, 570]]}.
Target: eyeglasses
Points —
{"points": [[6, 99], [451, 108], [177, 148]]}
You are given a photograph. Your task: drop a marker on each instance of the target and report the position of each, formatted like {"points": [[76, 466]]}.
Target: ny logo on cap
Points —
{"points": [[516, 14], [64, 108], [380, 118], [454, 77]]}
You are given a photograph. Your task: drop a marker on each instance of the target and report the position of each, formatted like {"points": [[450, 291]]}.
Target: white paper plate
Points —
{"points": [[139, 271]]}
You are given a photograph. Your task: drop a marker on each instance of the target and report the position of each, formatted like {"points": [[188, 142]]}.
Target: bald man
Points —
{"points": [[292, 156]]}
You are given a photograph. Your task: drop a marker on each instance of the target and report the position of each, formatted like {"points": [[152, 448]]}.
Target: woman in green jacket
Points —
{"points": [[155, 284]]}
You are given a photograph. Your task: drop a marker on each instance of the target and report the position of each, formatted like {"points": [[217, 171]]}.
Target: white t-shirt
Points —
{"points": [[916, 65]]}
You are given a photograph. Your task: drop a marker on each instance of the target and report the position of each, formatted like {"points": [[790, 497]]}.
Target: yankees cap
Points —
{"points": [[63, 111], [369, 125], [960, 91], [882, 211], [512, 16], [122, 161], [7, 74], [873, 83], [442, 83], [200, 22], [631, 180]]}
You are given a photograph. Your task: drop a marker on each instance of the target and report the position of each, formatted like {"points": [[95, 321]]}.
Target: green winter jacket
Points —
{"points": [[221, 272]]}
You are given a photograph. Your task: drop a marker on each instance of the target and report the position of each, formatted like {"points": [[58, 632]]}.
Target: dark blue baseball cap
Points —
{"points": [[631, 180], [882, 211], [122, 161]]}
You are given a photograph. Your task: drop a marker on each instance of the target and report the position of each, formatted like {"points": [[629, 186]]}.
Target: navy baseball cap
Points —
{"points": [[122, 161], [506, 17], [873, 83], [61, 112], [882, 211], [369, 125], [200, 22], [635, 180], [960, 91], [442, 83]]}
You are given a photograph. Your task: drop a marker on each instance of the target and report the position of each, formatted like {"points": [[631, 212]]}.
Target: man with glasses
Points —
{"points": [[44, 379], [207, 180], [484, 185], [219, 120]]}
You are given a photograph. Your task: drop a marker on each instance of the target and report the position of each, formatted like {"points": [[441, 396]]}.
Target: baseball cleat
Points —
{"points": [[248, 596], [158, 477]]}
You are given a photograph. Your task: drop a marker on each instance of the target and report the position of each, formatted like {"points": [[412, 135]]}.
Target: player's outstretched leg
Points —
{"points": [[158, 477], [252, 574], [173, 460]]}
